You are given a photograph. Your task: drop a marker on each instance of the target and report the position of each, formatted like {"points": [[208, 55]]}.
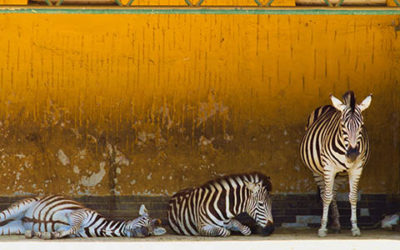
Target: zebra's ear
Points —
{"points": [[253, 187], [365, 103], [338, 104], [143, 210]]}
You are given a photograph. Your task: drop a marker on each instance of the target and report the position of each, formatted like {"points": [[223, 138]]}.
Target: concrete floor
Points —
{"points": [[281, 239]]}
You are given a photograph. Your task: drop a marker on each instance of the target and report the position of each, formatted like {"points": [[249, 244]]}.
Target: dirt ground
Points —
{"points": [[286, 238], [280, 234], [304, 239]]}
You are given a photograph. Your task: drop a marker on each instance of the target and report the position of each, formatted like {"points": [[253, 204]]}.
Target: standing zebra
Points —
{"points": [[54, 217], [335, 144], [209, 210]]}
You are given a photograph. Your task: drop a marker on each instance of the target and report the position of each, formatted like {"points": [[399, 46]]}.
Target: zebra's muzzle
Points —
{"points": [[269, 229], [140, 232], [352, 154]]}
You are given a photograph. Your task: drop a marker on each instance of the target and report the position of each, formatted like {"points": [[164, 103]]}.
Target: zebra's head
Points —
{"points": [[144, 225], [259, 205], [351, 122]]}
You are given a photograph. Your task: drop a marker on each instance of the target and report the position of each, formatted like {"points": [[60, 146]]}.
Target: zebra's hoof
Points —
{"points": [[55, 235], [226, 233], [335, 228], [356, 231], [322, 232], [46, 236], [246, 231], [29, 234]]}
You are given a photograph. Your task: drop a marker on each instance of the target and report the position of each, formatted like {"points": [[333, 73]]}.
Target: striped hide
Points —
{"points": [[336, 145], [52, 217], [210, 209]]}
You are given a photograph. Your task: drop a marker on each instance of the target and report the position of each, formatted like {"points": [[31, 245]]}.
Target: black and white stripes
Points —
{"points": [[209, 209], [336, 143], [57, 217]]}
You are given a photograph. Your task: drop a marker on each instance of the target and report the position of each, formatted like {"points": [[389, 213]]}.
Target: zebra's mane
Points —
{"points": [[349, 99], [319, 112], [265, 180]]}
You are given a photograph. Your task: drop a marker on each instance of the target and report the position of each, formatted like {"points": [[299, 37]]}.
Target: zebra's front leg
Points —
{"points": [[329, 178], [354, 177], [235, 225], [213, 230]]}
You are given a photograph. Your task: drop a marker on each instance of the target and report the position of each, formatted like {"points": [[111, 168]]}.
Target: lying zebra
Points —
{"points": [[210, 209], [54, 217]]}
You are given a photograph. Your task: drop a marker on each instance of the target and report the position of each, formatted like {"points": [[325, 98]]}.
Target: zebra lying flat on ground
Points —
{"points": [[53, 217], [210, 209], [336, 144]]}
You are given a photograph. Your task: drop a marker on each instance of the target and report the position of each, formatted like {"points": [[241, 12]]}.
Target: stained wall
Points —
{"points": [[149, 104]]}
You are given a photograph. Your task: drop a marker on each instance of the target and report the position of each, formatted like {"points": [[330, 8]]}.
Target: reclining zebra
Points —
{"points": [[210, 209], [54, 217]]}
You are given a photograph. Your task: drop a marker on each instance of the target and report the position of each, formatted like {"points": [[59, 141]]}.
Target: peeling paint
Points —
{"points": [[62, 157], [95, 178], [82, 154], [211, 108], [203, 141], [144, 137], [120, 158], [76, 133], [20, 156], [228, 137], [76, 169]]}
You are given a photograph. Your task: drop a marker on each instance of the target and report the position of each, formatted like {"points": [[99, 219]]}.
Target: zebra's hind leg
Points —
{"points": [[76, 220], [16, 210], [335, 216], [335, 226], [212, 230], [235, 225], [10, 227]]}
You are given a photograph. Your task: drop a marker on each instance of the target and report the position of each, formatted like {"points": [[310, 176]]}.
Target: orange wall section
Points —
{"points": [[150, 104]]}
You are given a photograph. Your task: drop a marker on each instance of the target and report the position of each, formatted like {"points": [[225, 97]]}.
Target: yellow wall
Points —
{"points": [[150, 104]]}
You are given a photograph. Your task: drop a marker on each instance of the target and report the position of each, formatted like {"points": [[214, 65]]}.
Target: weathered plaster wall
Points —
{"points": [[150, 104]]}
